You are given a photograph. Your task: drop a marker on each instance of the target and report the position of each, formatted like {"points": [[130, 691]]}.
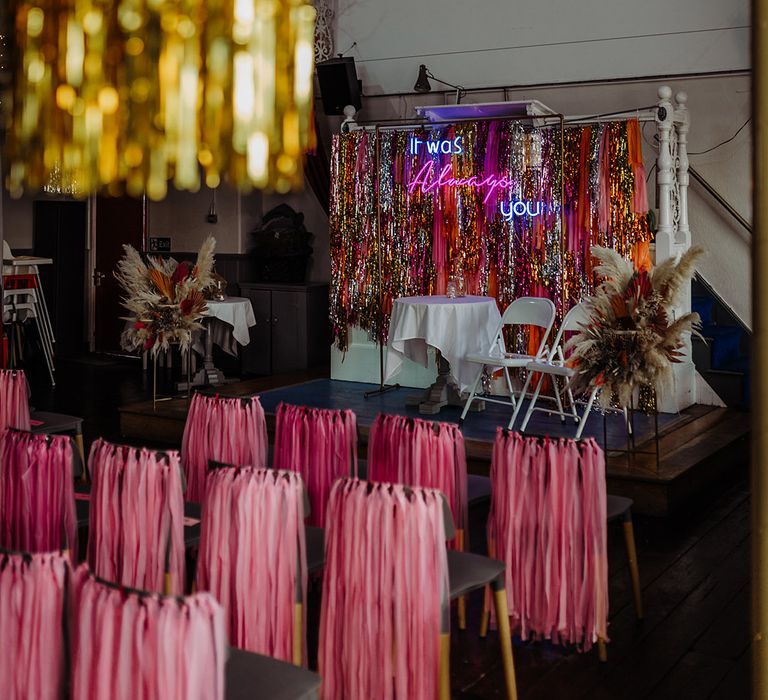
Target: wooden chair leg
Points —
{"points": [[298, 632], [629, 541], [505, 641], [444, 678], [167, 583], [462, 601], [81, 450], [602, 650]]}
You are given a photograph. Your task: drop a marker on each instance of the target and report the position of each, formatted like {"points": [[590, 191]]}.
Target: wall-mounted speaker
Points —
{"points": [[339, 85]]}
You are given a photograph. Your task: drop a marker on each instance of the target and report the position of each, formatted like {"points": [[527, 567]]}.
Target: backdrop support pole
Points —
{"points": [[383, 388]]}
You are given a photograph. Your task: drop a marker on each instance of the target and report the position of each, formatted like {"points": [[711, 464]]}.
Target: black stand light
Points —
{"points": [[422, 83]]}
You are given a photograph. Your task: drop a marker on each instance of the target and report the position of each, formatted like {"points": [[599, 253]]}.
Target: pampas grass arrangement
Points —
{"points": [[631, 339], [164, 297]]}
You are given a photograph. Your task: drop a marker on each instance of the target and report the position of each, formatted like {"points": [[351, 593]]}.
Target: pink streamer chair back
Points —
{"points": [[37, 495], [227, 430], [421, 453], [253, 555], [32, 592], [548, 524], [384, 591], [139, 646], [321, 445], [136, 517], [14, 400]]}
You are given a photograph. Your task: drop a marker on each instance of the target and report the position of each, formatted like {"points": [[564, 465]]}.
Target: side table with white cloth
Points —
{"points": [[225, 323], [455, 328]]}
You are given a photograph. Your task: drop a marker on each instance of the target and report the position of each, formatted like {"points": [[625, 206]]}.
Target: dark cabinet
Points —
{"points": [[292, 330]]}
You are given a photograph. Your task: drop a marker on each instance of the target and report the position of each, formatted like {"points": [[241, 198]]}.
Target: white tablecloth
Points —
{"points": [[456, 327], [230, 320]]}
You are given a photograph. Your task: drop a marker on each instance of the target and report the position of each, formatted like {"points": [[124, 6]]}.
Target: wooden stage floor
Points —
{"points": [[698, 447]]}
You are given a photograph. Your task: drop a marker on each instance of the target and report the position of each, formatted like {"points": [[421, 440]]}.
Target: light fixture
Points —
{"points": [[125, 95], [422, 83]]}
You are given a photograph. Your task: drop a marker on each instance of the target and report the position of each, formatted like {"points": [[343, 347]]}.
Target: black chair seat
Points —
{"points": [[617, 507], [256, 677], [192, 532], [478, 489], [315, 539], [467, 571]]}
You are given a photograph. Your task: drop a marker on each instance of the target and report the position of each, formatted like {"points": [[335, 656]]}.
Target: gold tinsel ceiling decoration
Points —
{"points": [[125, 95]]}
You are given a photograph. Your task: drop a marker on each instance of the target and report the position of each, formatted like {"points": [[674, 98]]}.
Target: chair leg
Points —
{"points": [[462, 601], [585, 415], [602, 650], [574, 412], [471, 395], [505, 641], [444, 678], [531, 405], [556, 389], [298, 632], [629, 541], [81, 450], [519, 404]]}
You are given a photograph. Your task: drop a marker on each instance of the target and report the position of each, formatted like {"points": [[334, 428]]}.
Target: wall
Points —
{"points": [[496, 42]]}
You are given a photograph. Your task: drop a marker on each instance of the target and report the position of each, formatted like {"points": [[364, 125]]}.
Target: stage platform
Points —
{"points": [[699, 447]]}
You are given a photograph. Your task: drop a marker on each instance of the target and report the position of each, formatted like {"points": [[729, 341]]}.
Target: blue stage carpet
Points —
{"points": [[329, 393]]}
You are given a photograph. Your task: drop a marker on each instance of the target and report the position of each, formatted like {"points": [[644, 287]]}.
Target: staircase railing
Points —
{"points": [[724, 203]]}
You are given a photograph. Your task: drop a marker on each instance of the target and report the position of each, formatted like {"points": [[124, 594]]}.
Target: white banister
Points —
{"points": [[665, 176], [682, 124]]}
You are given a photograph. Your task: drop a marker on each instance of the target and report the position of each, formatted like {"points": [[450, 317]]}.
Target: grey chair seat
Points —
{"points": [[53, 423], [315, 539], [467, 571], [256, 677], [478, 489], [618, 507]]}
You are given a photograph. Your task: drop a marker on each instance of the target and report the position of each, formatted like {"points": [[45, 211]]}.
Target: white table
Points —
{"points": [[455, 328], [225, 323]]}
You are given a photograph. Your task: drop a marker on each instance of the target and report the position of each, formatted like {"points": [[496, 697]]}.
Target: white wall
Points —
{"points": [[497, 42]]}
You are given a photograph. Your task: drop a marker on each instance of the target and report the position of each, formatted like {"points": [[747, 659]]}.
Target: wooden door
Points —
{"points": [[257, 355], [60, 232], [118, 220], [289, 330]]}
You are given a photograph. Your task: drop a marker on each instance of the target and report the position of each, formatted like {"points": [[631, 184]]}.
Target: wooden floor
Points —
{"points": [[693, 642]]}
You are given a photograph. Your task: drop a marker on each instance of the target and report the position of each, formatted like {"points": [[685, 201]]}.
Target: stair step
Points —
{"points": [[731, 387]]}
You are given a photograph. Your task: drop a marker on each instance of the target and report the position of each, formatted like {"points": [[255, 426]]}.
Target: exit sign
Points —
{"points": [[160, 245]]}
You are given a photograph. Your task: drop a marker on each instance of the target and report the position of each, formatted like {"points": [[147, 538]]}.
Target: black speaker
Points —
{"points": [[339, 85]]}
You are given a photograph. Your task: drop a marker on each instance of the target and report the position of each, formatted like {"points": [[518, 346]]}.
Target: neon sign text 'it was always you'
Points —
{"points": [[428, 180]]}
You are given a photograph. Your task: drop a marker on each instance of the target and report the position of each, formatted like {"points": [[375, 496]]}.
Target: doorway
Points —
{"points": [[60, 231], [117, 221]]}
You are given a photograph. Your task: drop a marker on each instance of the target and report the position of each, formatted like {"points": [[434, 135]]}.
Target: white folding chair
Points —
{"points": [[554, 366], [525, 311]]}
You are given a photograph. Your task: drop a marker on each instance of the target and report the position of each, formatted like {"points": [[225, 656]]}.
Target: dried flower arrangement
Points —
{"points": [[164, 297], [631, 339]]}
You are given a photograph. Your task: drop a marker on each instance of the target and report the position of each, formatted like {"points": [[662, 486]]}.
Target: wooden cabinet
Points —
{"points": [[292, 331]]}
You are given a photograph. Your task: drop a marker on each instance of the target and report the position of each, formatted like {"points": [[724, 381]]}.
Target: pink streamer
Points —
{"points": [[37, 495], [253, 555], [137, 514], [421, 453], [14, 403], [548, 524], [136, 646], [232, 431], [32, 591], [321, 445], [379, 623]]}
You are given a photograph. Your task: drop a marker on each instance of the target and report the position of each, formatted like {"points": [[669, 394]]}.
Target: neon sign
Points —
{"points": [[445, 146], [429, 181]]}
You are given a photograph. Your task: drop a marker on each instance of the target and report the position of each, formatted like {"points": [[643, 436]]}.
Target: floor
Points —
{"points": [[693, 642]]}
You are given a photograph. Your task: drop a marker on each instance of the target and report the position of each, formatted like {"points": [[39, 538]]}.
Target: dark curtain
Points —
{"points": [[318, 171]]}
